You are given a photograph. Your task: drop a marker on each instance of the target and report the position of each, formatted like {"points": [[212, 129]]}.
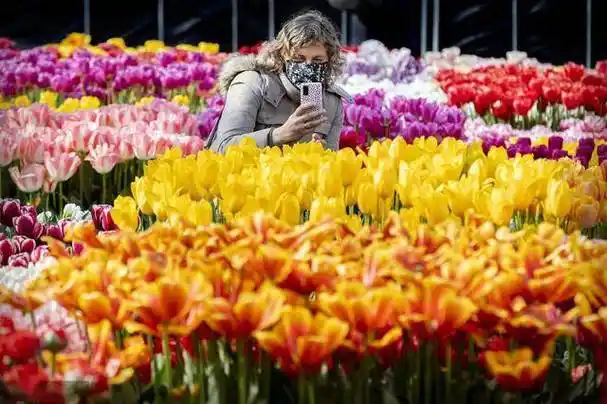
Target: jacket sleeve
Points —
{"points": [[336, 126], [243, 101]]}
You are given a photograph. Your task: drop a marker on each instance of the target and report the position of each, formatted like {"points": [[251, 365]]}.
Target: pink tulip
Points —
{"points": [[8, 149], [125, 150], [62, 167], [49, 186], [6, 250], [102, 218], [190, 144], [20, 260], [103, 158], [31, 150], [39, 253], [9, 209], [30, 178], [145, 146], [22, 244], [28, 226]]}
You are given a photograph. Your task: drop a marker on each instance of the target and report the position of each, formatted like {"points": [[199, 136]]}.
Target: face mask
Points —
{"points": [[299, 73]]}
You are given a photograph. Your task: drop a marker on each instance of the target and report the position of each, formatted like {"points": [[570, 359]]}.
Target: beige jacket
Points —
{"points": [[257, 101]]}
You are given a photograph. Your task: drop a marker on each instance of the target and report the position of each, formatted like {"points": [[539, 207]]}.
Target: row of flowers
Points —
{"points": [[423, 181], [258, 310]]}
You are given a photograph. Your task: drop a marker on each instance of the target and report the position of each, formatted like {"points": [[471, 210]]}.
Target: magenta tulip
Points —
{"points": [[6, 250], [19, 260], [22, 244], [101, 217], [28, 226], [77, 248], [54, 231], [10, 208], [39, 253]]}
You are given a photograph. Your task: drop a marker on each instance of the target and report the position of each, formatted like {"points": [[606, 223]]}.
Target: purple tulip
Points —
{"points": [[20, 260], [523, 142], [6, 250], [102, 218], [602, 149], [587, 143], [558, 154], [28, 226], [9, 209], [23, 244], [541, 152], [555, 142], [584, 151]]}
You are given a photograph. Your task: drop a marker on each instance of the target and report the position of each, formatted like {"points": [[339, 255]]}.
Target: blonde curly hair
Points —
{"points": [[301, 31]]}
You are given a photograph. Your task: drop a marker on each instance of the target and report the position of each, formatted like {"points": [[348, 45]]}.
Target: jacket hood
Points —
{"points": [[233, 67]]}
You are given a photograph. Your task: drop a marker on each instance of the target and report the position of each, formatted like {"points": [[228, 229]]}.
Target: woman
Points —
{"points": [[263, 92]]}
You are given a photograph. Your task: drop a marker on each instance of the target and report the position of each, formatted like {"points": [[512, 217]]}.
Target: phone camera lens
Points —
{"points": [[305, 90]]}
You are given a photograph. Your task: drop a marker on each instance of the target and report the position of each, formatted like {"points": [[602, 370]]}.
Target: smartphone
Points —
{"points": [[311, 93]]}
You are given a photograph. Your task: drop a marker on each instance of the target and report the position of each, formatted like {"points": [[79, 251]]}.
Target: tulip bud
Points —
{"points": [[7, 249], [9, 209], [27, 225], [54, 340], [20, 260], [587, 213], [22, 244]]}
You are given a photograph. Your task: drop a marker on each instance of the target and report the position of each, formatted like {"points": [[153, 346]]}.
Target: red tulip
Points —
{"points": [[54, 340], [572, 100], [574, 71], [20, 346], [34, 382], [522, 106], [501, 110], [6, 326]]}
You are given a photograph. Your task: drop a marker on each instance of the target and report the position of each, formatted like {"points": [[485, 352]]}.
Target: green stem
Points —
{"points": [[217, 367], [571, 353], [82, 182], [428, 373], [33, 318], [200, 369], [153, 365], [166, 350], [242, 372], [60, 198], [448, 374], [266, 375], [301, 389], [103, 187], [311, 392], [53, 364]]}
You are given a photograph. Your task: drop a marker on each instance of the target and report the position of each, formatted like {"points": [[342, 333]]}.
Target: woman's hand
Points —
{"points": [[304, 121]]}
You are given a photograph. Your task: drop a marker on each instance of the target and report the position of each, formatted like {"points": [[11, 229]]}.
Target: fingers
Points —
{"points": [[311, 116], [314, 123], [305, 108]]}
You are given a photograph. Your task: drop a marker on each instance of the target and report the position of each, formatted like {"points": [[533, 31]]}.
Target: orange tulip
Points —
{"points": [[169, 305], [248, 312], [517, 370], [96, 306], [432, 308], [301, 341]]}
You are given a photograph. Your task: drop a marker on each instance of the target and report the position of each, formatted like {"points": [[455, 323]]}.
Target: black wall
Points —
{"points": [[551, 30]]}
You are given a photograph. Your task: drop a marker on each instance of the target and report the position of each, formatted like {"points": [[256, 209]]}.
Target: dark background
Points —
{"points": [[551, 30]]}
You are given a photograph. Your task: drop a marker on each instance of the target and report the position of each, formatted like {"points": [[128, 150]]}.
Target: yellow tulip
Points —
{"points": [[410, 218], [288, 209], [145, 101], [586, 211], [88, 103], [153, 45], [49, 98], [140, 188], [305, 197], [22, 101], [354, 223], [69, 105], [436, 207], [385, 180], [367, 199], [478, 170], [349, 165], [124, 213], [501, 207], [495, 157], [181, 99], [206, 47], [559, 199], [77, 39], [319, 209], [329, 180], [117, 42], [200, 213]]}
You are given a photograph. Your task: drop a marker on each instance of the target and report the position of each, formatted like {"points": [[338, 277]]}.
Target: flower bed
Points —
{"points": [[259, 310]]}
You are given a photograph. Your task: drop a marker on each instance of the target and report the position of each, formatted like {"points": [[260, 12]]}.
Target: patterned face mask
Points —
{"points": [[299, 73]]}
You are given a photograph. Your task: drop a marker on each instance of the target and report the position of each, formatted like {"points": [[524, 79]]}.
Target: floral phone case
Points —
{"points": [[312, 93]]}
